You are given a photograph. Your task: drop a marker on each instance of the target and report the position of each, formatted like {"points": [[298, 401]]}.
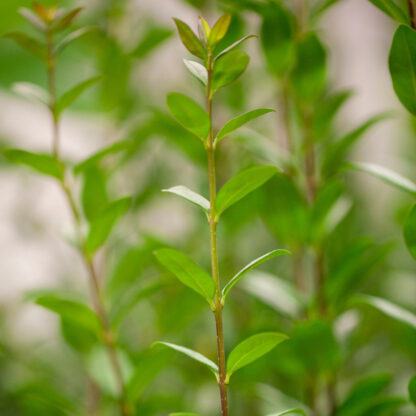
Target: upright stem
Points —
{"points": [[222, 382], [99, 307], [412, 13]]}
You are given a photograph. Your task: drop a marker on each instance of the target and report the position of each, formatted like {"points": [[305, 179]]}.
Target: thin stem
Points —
{"points": [[412, 13], [222, 383], [99, 307]]}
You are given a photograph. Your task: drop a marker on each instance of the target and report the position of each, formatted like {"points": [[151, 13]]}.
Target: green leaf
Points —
{"points": [[191, 196], [402, 64], [66, 20], [190, 40], [386, 175], [309, 73], [233, 45], [104, 222], [219, 30], [94, 192], [70, 96], [251, 349], [241, 185], [251, 266], [76, 34], [412, 390], [27, 42], [42, 163], [228, 68], [153, 38], [183, 414], [278, 39], [392, 9], [239, 121], [297, 411], [192, 354], [32, 92], [388, 308], [33, 18], [190, 114], [188, 272], [409, 231], [197, 70]]}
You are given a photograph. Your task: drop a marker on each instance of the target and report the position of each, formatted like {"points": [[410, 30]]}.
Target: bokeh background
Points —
{"points": [[36, 366]]}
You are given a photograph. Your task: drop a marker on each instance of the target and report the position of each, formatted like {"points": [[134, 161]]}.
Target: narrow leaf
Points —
{"points": [[32, 91], [251, 349], [409, 232], [183, 414], [66, 20], [42, 163], [76, 34], [190, 114], [197, 70], [219, 30], [392, 9], [70, 96], [104, 222], [412, 390], [191, 196], [239, 121], [192, 354], [153, 38], [234, 45], [188, 272], [229, 68], [32, 18], [27, 42], [241, 185], [297, 411], [251, 266], [190, 40], [386, 175]]}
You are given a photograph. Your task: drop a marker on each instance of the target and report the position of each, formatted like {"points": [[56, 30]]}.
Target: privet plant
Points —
{"points": [[218, 69]]}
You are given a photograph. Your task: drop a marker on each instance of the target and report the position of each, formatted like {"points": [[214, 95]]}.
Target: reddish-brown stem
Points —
{"points": [[412, 13]]}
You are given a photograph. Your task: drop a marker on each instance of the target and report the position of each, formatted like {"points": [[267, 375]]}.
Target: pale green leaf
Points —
{"points": [[76, 34], [234, 45], [191, 196], [219, 30], [297, 411], [409, 232], [32, 18], [197, 70], [228, 68], [32, 92]]}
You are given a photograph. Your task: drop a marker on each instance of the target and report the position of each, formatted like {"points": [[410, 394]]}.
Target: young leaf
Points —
{"points": [[392, 9], [66, 20], [251, 266], [32, 91], [70, 96], [228, 68], [192, 354], [32, 18], [241, 185], [386, 175], [402, 62], [190, 40], [239, 121], [191, 196], [42, 163], [104, 222], [27, 42], [219, 30], [204, 29], [388, 308], [190, 114], [197, 70], [409, 232], [297, 411], [233, 45], [412, 390], [71, 37], [251, 349], [188, 272]]}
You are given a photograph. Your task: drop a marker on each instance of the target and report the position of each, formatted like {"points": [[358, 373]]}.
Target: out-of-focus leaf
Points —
{"points": [[291, 412], [76, 34], [188, 272], [190, 114], [70, 96], [392, 9], [251, 266], [322, 7], [153, 38], [197, 70], [233, 45], [309, 73], [252, 349], [29, 43], [412, 390], [402, 63], [409, 232], [228, 68], [104, 222], [32, 91], [219, 30], [387, 308], [192, 354], [190, 40], [386, 175], [42, 163], [66, 20], [94, 192], [278, 39], [183, 414], [32, 18], [239, 121], [241, 185], [191, 196]]}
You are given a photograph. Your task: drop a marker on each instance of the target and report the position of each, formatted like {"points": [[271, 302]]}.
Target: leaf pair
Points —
{"points": [[242, 355]]}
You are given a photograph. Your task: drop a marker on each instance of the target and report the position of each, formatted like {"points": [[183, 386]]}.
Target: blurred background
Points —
{"points": [[139, 54]]}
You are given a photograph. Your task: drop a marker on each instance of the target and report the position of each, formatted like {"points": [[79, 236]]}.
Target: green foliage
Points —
{"points": [[31, 44], [409, 232], [190, 40], [291, 412], [412, 389], [190, 196], [392, 9]]}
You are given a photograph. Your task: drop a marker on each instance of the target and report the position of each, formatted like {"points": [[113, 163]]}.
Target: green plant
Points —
{"points": [[219, 68]]}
